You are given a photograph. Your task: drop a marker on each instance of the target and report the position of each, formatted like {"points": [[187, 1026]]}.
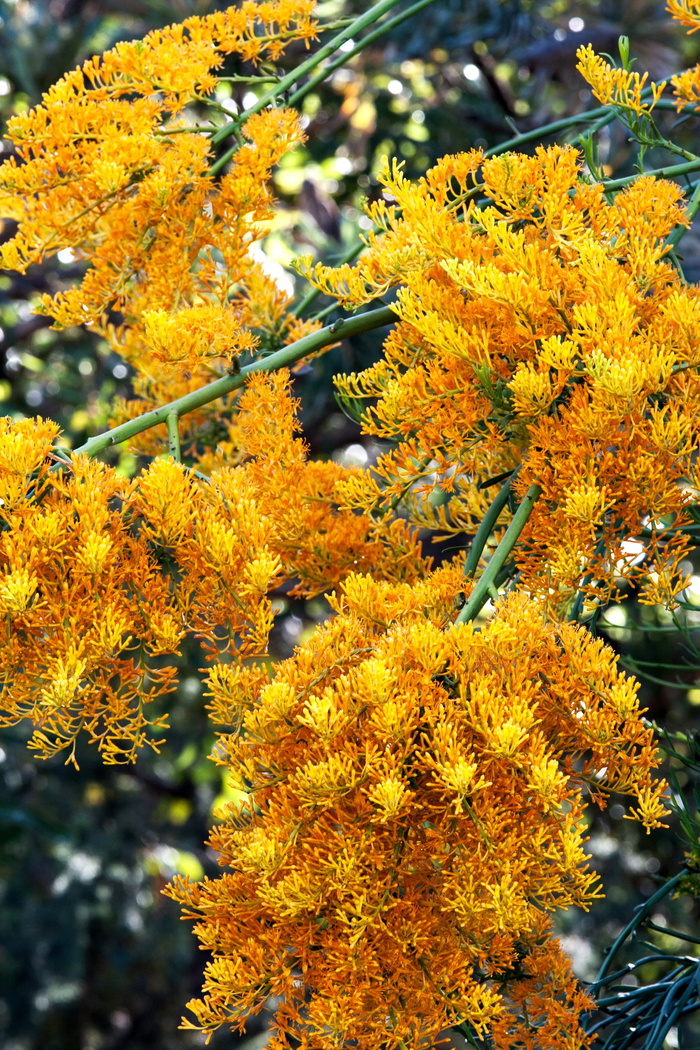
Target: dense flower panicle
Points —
{"points": [[414, 810], [25, 445], [84, 612], [412, 791], [106, 167], [545, 331], [112, 575], [176, 61]]}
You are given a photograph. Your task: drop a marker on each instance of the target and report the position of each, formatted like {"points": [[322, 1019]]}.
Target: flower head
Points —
{"points": [[417, 798]]}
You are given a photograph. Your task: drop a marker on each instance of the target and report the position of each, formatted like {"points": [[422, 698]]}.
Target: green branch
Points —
{"points": [[287, 82], [322, 74], [639, 917], [549, 129], [173, 421], [487, 581], [669, 171], [488, 523], [605, 113], [283, 358]]}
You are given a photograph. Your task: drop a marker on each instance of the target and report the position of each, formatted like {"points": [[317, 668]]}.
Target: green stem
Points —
{"points": [[638, 672], [485, 529], [674, 239], [288, 355], [272, 78], [288, 81], [173, 421], [639, 917], [481, 592], [322, 74], [567, 122], [547, 129], [321, 314], [670, 171], [189, 129], [664, 143]]}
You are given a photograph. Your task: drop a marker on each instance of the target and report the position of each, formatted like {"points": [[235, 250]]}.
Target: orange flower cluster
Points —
{"points": [[624, 88], [410, 816], [686, 84], [617, 87], [412, 790], [687, 12], [101, 578], [109, 168], [545, 331]]}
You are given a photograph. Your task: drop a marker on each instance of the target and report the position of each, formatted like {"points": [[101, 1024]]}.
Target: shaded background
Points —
{"points": [[92, 957]]}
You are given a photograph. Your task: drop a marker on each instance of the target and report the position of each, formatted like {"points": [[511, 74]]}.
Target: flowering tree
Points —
{"points": [[411, 786]]}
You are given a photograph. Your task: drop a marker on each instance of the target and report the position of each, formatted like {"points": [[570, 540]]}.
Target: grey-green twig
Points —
{"points": [[283, 358], [482, 590]]}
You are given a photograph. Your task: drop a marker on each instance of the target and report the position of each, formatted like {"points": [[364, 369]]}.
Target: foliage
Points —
{"points": [[410, 789]]}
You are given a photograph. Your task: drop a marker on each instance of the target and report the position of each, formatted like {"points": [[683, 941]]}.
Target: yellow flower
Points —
{"points": [[559, 353], [194, 335], [686, 85], [548, 783], [586, 502], [324, 715], [17, 590], [64, 680], [390, 795], [260, 572], [623, 378], [94, 552], [532, 391], [24, 446], [165, 633], [320, 783]]}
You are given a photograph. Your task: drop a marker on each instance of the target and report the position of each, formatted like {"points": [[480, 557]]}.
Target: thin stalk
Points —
{"points": [[288, 81], [568, 122], [173, 422], [580, 598], [653, 663], [648, 629], [325, 312], [481, 592], [269, 79], [547, 129], [189, 129], [669, 171], [288, 355], [594, 128], [631, 926], [674, 239], [485, 529], [606, 114], [668, 1013], [322, 74], [638, 672], [668, 932]]}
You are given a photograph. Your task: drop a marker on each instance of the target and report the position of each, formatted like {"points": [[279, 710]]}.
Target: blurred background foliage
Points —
{"points": [[92, 957]]}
